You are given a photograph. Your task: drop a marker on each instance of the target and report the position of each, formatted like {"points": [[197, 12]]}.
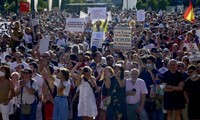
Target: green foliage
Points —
{"points": [[141, 5], [9, 6]]}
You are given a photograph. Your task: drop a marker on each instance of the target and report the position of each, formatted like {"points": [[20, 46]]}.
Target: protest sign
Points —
{"points": [[109, 16], [198, 33], [75, 24], [192, 48], [4, 27], [34, 22], [44, 45], [193, 51], [140, 15], [149, 46], [122, 38], [96, 39], [84, 15], [97, 13]]}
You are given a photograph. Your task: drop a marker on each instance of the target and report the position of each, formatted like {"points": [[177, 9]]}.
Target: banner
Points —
{"points": [[140, 15], [75, 24], [122, 38], [96, 39], [84, 15], [4, 27], [24, 7], [97, 13]]}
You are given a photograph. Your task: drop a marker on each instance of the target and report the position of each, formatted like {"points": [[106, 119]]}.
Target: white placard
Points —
{"points": [[4, 27], [34, 22], [193, 58], [198, 33], [109, 16], [96, 39], [149, 46], [44, 45], [97, 13], [192, 48], [75, 24], [84, 15], [122, 38], [140, 15]]}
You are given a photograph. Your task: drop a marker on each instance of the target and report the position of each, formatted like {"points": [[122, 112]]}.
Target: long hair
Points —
{"points": [[7, 70], [111, 70]]}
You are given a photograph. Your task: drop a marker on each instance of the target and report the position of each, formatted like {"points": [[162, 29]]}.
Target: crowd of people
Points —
{"points": [[76, 81]]}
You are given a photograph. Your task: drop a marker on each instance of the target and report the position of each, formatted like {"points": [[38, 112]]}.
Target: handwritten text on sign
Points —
{"points": [[75, 24], [122, 38]]}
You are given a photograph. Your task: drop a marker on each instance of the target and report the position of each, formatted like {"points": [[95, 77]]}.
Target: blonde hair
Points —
{"points": [[111, 70]]}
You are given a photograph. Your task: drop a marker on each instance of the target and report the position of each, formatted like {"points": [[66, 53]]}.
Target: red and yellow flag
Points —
{"points": [[189, 13]]}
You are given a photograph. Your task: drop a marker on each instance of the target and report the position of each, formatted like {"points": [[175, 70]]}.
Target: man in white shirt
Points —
{"points": [[18, 56], [39, 79], [27, 92], [135, 96], [61, 41]]}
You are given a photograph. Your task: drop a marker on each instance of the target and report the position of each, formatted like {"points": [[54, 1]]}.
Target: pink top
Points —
{"points": [[140, 87]]}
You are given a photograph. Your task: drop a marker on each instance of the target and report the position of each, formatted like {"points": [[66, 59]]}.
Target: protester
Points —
{"points": [[161, 37], [135, 96], [191, 90], [6, 92]]}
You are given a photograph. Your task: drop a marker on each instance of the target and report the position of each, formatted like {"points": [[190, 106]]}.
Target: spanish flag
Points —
{"points": [[189, 13]]}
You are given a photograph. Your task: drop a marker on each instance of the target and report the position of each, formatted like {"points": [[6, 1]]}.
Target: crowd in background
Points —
{"points": [[73, 79]]}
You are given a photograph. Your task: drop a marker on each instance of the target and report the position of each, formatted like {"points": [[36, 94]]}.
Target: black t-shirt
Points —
{"points": [[173, 79]]}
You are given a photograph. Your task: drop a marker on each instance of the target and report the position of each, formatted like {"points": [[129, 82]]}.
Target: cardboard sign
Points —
{"points": [[122, 38], [97, 13], [75, 24], [44, 45], [96, 39], [4, 27], [140, 15], [192, 48], [24, 7]]}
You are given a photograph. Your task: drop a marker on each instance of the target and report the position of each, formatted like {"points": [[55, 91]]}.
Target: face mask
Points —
{"points": [[193, 76], [2, 74], [149, 66]]}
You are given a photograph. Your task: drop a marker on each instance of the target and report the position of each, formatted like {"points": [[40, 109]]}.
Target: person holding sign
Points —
{"points": [[16, 36], [97, 27]]}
